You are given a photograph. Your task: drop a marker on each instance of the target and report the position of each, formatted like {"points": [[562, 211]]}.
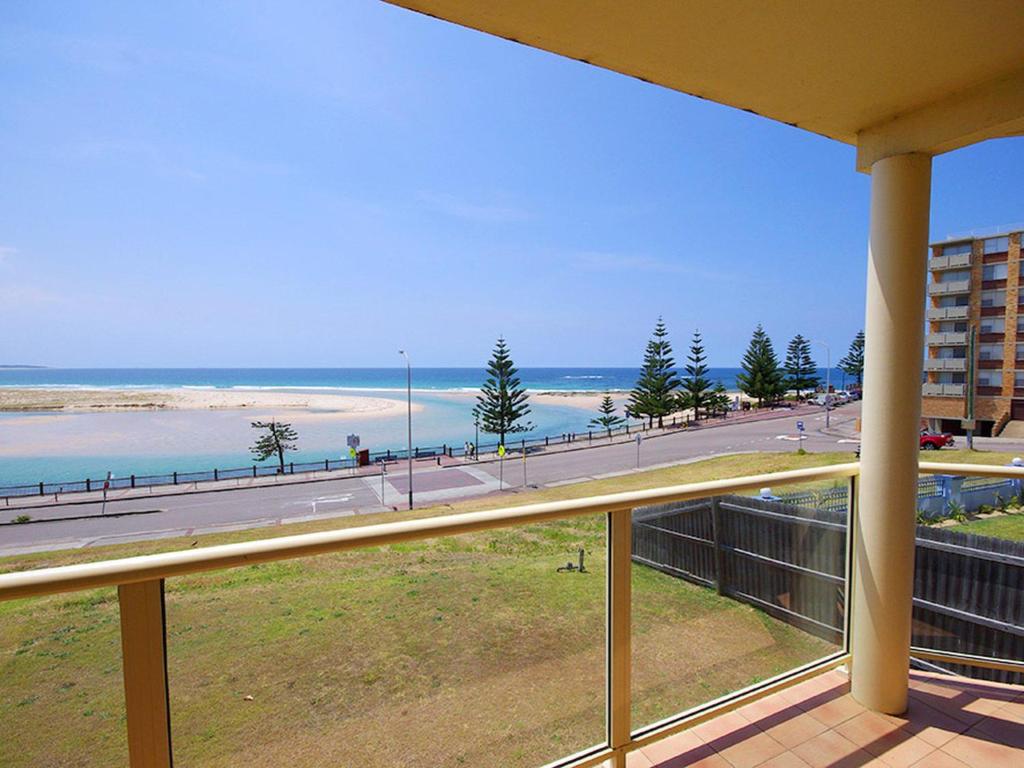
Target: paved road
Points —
{"points": [[203, 512]]}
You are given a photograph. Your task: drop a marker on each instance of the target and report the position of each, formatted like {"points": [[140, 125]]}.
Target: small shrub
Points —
{"points": [[955, 511], [21, 519], [923, 518]]}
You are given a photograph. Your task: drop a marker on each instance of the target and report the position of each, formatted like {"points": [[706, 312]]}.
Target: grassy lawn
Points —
{"points": [[1002, 527], [467, 650]]}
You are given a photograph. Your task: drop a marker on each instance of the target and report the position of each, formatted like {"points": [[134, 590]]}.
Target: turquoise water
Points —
{"points": [[91, 444]]}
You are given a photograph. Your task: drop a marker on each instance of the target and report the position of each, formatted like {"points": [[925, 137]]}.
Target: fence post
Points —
{"points": [[590, 436], [216, 476], [619, 634], [144, 665], [327, 465], [546, 441], [88, 484], [716, 538], [291, 467], [41, 493], [133, 481], [175, 478], [254, 471]]}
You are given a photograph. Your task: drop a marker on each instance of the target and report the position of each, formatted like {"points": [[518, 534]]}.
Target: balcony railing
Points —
{"points": [[955, 364], [947, 339], [956, 261], [818, 602], [943, 390], [949, 313], [949, 288]]}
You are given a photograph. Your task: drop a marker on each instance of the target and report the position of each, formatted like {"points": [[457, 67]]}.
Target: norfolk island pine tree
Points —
{"points": [[280, 437], [853, 363], [608, 418], [503, 400], [801, 372], [654, 396], [761, 377], [696, 387]]}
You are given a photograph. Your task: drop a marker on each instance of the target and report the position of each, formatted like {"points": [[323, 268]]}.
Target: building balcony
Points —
{"points": [[230, 651], [943, 390], [949, 288], [947, 339], [949, 313], [955, 364], [957, 261]]}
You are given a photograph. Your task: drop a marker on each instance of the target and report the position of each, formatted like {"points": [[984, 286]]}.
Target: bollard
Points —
{"points": [[88, 484], [327, 465], [590, 436], [175, 478], [41, 493], [254, 471], [546, 441], [291, 467], [133, 481], [215, 475]]}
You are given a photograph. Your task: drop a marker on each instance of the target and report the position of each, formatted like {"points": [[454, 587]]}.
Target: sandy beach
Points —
{"points": [[113, 400]]}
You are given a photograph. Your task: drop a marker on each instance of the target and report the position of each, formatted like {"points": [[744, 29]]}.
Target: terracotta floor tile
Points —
{"points": [[980, 752], [753, 750], [1013, 711], [939, 759], [832, 750], [638, 759], [792, 730], [832, 712], [710, 760], [685, 743], [766, 707], [785, 760], [931, 725], [999, 727], [731, 726]]}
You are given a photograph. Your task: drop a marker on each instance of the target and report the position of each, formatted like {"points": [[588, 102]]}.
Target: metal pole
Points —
{"points": [[828, 382], [408, 392]]}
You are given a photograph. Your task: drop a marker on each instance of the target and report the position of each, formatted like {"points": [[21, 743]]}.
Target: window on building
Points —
{"points": [[992, 324], [1020, 324], [996, 245], [955, 249], [1018, 379], [990, 352], [958, 274], [1020, 351], [994, 271], [990, 378], [993, 298]]}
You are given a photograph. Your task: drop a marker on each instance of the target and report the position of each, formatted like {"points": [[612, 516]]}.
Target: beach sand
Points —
{"points": [[317, 405]]}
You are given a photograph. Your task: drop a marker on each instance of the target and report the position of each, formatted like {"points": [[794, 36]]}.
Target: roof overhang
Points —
{"points": [[887, 76]]}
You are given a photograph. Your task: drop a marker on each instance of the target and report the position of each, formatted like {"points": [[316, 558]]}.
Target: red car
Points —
{"points": [[933, 441], [930, 441]]}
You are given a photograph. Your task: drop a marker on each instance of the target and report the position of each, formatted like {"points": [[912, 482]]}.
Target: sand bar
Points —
{"points": [[93, 400]]}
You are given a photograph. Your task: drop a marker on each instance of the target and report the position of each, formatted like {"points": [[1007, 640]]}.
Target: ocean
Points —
{"points": [[352, 379]]}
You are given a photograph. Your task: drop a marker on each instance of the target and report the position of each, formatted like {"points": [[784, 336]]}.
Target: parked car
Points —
{"points": [[930, 441], [933, 441]]}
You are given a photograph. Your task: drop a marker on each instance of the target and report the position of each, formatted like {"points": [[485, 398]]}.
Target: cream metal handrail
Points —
{"points": [[68, 578]]}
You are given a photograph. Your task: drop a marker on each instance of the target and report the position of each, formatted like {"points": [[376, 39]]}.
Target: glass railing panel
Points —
{"points": [[732, 590], [477, 649], [61, 687], [969, 571]]}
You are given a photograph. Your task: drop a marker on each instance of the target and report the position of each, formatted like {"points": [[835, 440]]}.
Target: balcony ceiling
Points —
{"points": [[888, 76]]}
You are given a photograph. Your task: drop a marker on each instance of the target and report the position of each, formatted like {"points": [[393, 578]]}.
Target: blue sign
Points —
{"points": [[800, 426]]}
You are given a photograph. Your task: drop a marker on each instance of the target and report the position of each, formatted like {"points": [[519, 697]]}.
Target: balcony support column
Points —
{"points": [[883, 567]]}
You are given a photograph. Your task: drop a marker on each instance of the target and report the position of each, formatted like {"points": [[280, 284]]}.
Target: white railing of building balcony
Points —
{"points": [[140, 583]]}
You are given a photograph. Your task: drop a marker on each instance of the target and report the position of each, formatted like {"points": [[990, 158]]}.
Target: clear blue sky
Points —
{"points": [[281, 184]]}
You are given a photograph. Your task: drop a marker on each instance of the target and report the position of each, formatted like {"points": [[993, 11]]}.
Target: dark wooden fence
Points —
{"points": [[789, 560]]}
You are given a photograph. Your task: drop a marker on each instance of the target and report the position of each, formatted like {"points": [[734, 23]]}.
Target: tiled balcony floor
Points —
{"points": [[952, 722]]}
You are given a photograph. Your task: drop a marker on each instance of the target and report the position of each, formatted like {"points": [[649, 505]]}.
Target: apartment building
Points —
{"points": [[975, 286]]}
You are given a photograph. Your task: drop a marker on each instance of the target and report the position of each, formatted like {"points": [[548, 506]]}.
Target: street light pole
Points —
{"points": [[408, 394], [828, 381]]}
